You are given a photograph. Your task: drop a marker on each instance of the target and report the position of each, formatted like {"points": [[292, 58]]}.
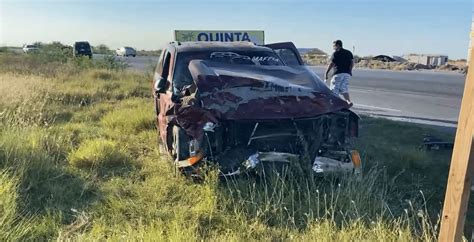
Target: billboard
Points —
{"points": [[254, 36]]}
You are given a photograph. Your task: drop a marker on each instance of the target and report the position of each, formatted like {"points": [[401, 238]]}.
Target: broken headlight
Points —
{"points": [[194, 147]]}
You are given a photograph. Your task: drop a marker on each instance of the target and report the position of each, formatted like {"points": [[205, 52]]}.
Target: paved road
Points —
{"points": [[141, 62], [415, 96]]}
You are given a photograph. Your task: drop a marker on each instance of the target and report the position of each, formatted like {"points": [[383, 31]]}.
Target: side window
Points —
{"points": [[162, 72], [288, 56], [166, 66], [159, 66]]}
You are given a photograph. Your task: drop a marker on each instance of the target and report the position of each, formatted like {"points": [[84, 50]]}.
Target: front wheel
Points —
{"points": [[180, 144]]}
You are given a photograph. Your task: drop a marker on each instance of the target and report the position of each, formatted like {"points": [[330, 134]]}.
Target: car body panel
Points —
{"points": [[293, 58], [164, 119], [245, 92]]}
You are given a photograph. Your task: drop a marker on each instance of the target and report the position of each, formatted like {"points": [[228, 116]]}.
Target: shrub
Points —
{"points": [[102, 75], [109, 62], [102, 49], [98, 153]]}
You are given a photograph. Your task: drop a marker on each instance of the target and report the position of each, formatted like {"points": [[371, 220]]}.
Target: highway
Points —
{"points": [[417, 96], [426, 97]]}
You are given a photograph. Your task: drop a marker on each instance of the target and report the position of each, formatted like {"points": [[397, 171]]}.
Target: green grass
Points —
{"points": [[79, 161], [98, 153], [133, 116]]}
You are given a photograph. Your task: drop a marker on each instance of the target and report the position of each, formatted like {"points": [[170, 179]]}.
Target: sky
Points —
{"points": [[370, 27]]}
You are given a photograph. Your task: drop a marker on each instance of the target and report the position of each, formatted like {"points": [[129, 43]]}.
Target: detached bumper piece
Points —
{"points": [[263, 159], [274, 157], [323, 164]]}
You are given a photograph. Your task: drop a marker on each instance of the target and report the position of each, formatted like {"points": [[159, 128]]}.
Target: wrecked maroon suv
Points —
{"points": [[242, 106]]}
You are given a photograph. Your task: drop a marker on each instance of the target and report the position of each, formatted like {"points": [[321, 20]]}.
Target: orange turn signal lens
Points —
{"points": [[195, 159], [355, 157]]}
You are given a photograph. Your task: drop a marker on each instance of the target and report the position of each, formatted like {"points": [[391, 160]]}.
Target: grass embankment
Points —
{"points": [[79, 160]]}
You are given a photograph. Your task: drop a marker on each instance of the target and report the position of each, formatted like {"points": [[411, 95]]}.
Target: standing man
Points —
{"points": [[342, 61]]}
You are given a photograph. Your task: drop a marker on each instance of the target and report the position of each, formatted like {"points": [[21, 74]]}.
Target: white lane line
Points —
{"points": [[377, 108]]}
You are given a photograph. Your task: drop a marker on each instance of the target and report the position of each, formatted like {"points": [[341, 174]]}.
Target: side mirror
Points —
{"points": [[160, 85]]}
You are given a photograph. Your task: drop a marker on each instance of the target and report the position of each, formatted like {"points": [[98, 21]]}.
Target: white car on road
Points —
{"points": [[126, 51], [30, 48]]}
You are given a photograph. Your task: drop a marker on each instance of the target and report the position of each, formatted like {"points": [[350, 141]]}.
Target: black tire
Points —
{"points": [[134, 55], [180, 144]]}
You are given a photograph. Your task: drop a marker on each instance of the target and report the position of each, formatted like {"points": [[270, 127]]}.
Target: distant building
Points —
{"points": [[399, 58], [383, 58], [430, 60]]}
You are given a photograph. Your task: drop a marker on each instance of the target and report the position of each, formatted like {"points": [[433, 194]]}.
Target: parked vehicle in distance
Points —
{"points": [[82, 48], [126, 51], [30, 49], [246, 108]]}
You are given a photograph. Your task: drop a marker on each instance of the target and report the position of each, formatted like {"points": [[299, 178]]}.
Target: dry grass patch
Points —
{"points": [[15, 88]]}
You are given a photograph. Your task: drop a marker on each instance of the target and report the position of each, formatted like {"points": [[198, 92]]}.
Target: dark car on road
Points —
{"points": [[244, 107], [82, 48]]}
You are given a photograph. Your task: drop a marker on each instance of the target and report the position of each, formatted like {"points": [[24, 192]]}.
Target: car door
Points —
{"points": [[288, 53], [163, 97]]}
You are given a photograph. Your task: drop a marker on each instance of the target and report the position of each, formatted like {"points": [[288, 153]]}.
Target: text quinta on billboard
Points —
{"points": [[224, 36]]}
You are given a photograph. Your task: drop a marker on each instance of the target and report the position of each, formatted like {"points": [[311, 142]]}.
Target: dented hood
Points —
{"points": [[237, 92]]}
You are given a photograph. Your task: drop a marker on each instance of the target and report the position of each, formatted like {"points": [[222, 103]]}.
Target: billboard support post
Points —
{"points": [[462, 167]]}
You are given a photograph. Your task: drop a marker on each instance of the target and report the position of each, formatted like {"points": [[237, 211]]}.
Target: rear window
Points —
{"points": [[83, 45], [183, 77]]}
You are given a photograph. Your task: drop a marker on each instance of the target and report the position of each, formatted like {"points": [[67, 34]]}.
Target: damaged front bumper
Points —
{"points": [[320, 166], [320, 144]]}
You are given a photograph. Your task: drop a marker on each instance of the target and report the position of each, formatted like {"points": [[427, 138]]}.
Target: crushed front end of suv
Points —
{"points": [[245, 107]]}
